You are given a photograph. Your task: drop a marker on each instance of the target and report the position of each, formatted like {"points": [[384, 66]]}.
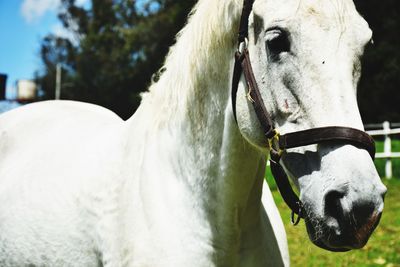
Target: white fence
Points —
{"points": [[385, 131]]}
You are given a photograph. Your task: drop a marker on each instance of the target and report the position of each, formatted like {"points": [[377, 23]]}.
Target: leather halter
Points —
{"points": [[279, 143]]}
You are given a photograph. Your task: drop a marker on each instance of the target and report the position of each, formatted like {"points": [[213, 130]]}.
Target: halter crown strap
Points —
{"points": [[244, 20], [243, 65]]}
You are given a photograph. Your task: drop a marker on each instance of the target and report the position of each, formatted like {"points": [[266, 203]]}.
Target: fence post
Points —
{"points": [[387, 150], [58, 82]]}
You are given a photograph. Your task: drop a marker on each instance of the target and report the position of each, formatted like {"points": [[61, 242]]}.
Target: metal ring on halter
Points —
{"points": [[273, 143], [243, 46], [296, 222]]}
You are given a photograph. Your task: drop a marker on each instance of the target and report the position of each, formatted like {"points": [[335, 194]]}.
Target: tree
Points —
{"points": [[115, 48], [379, 88]]}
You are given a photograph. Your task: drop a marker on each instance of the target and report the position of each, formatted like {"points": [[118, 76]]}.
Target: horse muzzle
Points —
{"points": [[348, 219]]}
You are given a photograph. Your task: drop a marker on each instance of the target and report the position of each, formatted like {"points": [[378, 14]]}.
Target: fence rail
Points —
{"points": [[386, 131], [374, 126]]}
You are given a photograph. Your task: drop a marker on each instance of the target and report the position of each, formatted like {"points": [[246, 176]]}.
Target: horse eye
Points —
{"points": [[278, 42]]}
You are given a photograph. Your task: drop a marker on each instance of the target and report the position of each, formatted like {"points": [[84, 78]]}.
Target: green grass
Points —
{"points": [[383, 248], [380, 163]]}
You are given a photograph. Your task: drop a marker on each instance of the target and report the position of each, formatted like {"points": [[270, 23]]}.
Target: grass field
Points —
{"points": [[383, 248], [380, 163]]}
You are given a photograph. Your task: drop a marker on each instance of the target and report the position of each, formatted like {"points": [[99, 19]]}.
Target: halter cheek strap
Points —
{"points": [[278, 144]]}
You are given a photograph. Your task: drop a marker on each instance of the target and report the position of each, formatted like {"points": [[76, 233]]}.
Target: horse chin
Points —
{"points": [[324, 237], [320, 244], [319, 239]]}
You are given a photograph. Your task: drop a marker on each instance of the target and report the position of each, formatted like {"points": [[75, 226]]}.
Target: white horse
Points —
{"points": [[179, 183]]}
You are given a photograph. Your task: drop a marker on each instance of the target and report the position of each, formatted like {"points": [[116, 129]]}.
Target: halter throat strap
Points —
{"points": [[279, 143]]}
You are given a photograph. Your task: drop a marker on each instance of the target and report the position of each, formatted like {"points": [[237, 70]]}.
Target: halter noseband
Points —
{"points": [[279, 143]]}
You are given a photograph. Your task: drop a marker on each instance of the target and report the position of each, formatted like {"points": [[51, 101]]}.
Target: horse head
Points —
{"points": [[306, 56]]}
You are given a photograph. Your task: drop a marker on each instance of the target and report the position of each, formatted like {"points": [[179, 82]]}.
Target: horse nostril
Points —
{"points": [[351, 215], [363, 214], [333, 207]]}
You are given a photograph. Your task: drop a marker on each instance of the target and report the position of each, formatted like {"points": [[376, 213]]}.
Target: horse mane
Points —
{"points": [[196, 54], [202, 47]]}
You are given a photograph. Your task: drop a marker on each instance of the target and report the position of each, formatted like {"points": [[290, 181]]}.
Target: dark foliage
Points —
{"points": [[115, 48], [379, 88]]}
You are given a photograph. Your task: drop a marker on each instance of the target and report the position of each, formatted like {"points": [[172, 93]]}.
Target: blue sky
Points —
{"points": [[22, 25]]}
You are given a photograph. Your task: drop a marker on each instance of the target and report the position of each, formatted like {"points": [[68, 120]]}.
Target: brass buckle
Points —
{"points": [[273, 143]]}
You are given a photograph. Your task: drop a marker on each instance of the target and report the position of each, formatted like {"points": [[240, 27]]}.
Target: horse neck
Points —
{"points": [[195, 132]]}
